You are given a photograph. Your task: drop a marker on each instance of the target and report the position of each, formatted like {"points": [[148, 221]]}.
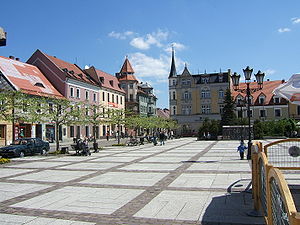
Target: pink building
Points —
{"points": [[74, 84]]}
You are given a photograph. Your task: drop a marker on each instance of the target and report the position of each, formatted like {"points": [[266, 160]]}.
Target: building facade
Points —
{"points": [[265, 106], [28, 79], [139, 97], [193, 98]]}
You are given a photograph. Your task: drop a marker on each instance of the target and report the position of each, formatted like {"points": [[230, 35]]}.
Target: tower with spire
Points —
{"points": [[172, 86]]}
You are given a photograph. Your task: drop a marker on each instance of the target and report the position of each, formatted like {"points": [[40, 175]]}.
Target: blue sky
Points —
{"points": [[207, 34]]}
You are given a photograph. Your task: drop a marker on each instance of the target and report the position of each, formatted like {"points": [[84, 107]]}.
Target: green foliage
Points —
{"points": [[213, 127], [4, 160], [284, 127], [228, 116]]}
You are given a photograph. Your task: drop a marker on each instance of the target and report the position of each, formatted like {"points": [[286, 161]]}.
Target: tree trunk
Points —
{"points": [[118, 132], [57, 136]]}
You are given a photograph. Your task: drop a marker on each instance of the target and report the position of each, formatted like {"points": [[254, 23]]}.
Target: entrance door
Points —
{"points": [[38, 130]]}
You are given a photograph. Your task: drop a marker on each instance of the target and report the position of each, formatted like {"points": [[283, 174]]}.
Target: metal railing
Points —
{"points": [[271, 193]]}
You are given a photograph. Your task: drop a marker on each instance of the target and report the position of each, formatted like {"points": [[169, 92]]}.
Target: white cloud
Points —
{"points": [[177, 46], [121, 36], [295, 20], [283, 30], [145, 42], [270, 71], [156, 69]]}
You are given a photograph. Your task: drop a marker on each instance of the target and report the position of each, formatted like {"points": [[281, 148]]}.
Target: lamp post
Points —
{"points": [[259, 79]]}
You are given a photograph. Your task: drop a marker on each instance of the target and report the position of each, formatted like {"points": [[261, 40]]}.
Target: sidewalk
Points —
{"points": [[183, 182]]}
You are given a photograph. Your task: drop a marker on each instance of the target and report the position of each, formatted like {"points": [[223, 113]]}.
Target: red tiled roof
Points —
{"points": [[126, 68], [77, 73], [128, 77], [267, 90], [164, 113], [109, 81], [27, 78]]}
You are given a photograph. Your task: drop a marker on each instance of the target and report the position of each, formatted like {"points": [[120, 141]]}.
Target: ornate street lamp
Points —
{"points": [[235, 80]]}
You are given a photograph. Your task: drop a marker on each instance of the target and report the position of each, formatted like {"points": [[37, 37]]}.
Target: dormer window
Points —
{"points": [[261, 99], [65, 70], [220, 78], [38, 84], [205, 80], [102, 79], [276, 100], [111, 83], [72, 72]]}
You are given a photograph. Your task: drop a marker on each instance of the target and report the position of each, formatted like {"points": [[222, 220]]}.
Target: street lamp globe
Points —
{"points": [[247, 73], [260, 78], [235, 79]]}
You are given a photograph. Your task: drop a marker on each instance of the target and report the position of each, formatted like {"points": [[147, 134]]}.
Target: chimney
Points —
{"points": [[11, 57]]}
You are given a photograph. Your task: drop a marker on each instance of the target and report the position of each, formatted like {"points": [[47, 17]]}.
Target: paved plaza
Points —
{"points": [[183, 182]]}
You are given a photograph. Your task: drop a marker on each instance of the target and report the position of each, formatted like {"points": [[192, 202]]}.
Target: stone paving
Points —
{"points": [[183, 182]]}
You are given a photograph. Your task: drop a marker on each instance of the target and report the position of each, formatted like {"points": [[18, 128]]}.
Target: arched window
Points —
{"points": [[174, 110]]}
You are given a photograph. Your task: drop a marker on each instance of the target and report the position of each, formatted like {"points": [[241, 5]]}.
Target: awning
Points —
{"points": [[290, 90]]}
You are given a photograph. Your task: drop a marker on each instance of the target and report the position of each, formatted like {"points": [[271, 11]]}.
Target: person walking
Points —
{"points": [[162, 138], [241, 149]]}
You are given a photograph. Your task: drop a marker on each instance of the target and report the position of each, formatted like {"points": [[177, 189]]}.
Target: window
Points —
{"points": [[95, 97], [112, 98], [123, 86], [174, 82], [186, 110], [2, 131], [103, 96], [71, 131], [221, 109], [251, 113], [298, 110], [174, 110], [131, 86], [77, 93], [220, 78], [276, 100], [205, 109], [261, 99], [187, 95], [174, 95], [117, 99], [86, 111], [131, 97], [121, 100], [262, 113], [205, 93], [108, 99], [86, 95], [277, 112], [71, 92], [87, 131], [221, 94], [205, 80], [50, 107]]}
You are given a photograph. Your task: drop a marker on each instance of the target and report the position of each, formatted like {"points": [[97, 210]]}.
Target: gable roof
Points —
{"points": [[27, 78], [109, 81], [71, 70]]}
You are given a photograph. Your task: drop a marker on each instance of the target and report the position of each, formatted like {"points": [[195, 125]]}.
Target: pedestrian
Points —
{"points": [[162, 138], [107, 135], [241, 149]]}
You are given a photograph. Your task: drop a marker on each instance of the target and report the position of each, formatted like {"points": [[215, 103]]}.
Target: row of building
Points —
{"points": [[195, 97], [45, 75]]}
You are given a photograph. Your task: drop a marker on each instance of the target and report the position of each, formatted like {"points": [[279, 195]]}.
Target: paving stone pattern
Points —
{"points": [[183, 182]]}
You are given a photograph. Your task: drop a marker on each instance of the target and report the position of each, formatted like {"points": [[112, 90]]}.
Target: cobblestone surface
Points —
{"points": [[182, 182]]}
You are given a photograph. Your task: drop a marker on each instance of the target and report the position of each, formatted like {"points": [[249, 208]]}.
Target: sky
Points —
{"points": [[208, 35]]}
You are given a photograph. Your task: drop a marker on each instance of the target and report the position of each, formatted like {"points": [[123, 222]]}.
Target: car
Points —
{"points": [[24, 147]]}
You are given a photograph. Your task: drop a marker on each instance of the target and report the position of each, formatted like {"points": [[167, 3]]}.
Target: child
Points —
{"points": [[241, 149]]}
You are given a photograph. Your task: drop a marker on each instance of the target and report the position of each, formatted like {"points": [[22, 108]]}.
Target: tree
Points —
{"points": [[95, 117], [60, 111], [14, 106], [117, 116], [228, 116]]}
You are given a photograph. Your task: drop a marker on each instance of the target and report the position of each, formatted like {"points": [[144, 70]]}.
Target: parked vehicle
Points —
{"points": [[25, 146]]}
